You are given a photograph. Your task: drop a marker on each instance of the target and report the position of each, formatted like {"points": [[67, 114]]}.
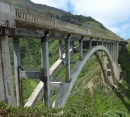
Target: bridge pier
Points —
{"points": [[81, 48], [6, 85], [18, 80], [60, 49], [73, 45], [2, 85], [114, 55], [67, 58], [45, 75]]}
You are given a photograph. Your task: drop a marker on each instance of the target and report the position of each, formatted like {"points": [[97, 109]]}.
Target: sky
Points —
{"points": [[113, 14]]}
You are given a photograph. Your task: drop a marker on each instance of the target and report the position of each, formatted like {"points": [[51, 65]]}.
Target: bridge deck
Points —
{"points": [[40, 22], [18, 18]]}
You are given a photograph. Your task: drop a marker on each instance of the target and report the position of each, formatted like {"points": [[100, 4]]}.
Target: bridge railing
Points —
{"points": [[54, 24]]}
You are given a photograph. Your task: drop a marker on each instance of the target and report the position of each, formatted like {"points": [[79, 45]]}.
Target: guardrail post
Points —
{"points": [[67, 57], [18, 81], [45, 70]]}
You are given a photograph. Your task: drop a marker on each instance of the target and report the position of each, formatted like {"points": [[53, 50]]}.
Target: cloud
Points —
{"points": [[114, 14]]}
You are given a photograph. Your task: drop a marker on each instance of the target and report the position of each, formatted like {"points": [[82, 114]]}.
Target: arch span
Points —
{"points": [[65, 90]]}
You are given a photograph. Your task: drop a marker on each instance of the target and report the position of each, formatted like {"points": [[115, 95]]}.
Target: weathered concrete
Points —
{"points": [[67, 58], [81, 48], [2, 85], [73, 46], [60, 49], [6, 75], [17, 63], [45, 75], [7, 13]]}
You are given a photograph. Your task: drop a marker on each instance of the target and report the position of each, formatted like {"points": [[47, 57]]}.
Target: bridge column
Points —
{"points": [[98, 42], [90, 43], [118, 49], [115, 62], [102, 42], [45, 70], [17, 63], [107, 45], [60, 49], [111, 48], [81, 48], [67, 57], [72, 45], [113, 54], [6, 84], [2, 85], [120, 46], [116, 52]]}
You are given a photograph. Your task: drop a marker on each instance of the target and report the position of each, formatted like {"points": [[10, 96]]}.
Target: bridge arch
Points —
{"points": [[65, 90]]}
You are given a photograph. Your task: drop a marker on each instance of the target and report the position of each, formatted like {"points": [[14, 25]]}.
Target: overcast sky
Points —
{"points": [[113, 14]]}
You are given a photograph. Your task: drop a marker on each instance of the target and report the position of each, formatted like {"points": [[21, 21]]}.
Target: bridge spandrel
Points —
{"points": [[7, 15]]}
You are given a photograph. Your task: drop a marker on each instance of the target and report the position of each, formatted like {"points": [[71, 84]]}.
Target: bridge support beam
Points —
{"points": [[67, 57], [6, 85], [45, 70], [18, 81]]}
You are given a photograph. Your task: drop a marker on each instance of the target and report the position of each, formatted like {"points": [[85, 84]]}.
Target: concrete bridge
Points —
{"points": [[17, 23]]}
